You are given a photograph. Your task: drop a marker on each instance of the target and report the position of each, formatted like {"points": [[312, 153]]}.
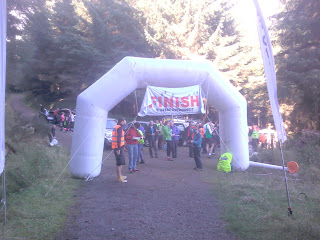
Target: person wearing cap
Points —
{"points": [[117, 145], [132, 138]]}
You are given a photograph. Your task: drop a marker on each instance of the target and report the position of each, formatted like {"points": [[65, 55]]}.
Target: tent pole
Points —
{"points": [[285, 181]]}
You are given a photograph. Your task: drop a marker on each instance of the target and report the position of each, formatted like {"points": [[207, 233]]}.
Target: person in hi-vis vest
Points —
{"points": [[255, 137], [117, 144]]}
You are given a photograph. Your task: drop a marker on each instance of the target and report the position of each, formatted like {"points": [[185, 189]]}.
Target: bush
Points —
{"points": [[31, 169]]}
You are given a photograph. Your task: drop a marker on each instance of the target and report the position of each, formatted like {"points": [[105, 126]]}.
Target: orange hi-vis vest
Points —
{"points": [[262, 138], [255, 128], [114, 140], [201, 130]]}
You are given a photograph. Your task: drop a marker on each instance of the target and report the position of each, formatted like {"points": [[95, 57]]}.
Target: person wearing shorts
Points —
{"points": [[208, 131], [117, 145]]}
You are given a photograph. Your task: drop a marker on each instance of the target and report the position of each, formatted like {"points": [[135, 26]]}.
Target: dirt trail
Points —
{"points": [[16, 103], [164, 200]]}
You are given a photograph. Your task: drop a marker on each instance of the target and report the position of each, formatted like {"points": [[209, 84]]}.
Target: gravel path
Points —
{"points": [[164, 201]]}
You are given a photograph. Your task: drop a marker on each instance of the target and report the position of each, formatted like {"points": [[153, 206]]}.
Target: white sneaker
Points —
{"points": [[122, 180]]}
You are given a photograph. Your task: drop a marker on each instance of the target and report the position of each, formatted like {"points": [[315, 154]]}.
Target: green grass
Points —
{"points": [[255, 203], [31, 169]]}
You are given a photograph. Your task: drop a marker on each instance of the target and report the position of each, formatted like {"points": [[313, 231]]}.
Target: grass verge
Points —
{"points": [[31, 168], [255, 202]]}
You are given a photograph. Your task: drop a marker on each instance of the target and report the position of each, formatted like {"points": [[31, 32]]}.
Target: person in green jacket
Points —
{"points": [[167, 137], [159, 134]]}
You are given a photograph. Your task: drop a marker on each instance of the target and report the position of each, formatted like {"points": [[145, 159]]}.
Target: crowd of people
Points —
{"points": [[160, 135], [261, 139], [64, 118]]}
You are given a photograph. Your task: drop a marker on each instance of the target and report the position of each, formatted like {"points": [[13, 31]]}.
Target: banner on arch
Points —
{"points": [[159, 101]]}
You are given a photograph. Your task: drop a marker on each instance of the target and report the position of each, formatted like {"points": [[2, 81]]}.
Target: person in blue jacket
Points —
{"points": [[197, 140], [175, 139]]}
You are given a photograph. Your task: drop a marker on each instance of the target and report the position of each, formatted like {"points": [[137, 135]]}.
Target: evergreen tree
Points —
{"points": [[299, 62]]}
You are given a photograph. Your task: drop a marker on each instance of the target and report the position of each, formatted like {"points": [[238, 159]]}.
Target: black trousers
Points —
{"points": [[197, 158], [191, 151], [152, 144], [169, 148], [204, 145], [174, 148], [255, 143]]}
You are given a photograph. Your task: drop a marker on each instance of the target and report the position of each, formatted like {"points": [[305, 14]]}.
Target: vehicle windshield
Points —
{"points": [[180, 126], [111, 123]]}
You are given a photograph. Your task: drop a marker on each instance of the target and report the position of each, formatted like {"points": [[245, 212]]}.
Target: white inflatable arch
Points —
{"points": [[130, 73]]}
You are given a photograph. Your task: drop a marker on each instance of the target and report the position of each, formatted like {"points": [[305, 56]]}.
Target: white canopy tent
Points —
{"points": [[96, 101]]}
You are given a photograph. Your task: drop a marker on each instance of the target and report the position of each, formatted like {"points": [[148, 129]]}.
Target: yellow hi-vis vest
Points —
{"points": [[141, 141], [224, 164], [255, 135]]}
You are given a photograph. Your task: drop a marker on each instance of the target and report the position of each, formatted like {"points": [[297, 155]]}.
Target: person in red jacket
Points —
{"points": [[132, 138]]}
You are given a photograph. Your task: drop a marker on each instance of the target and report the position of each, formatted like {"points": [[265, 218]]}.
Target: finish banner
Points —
{"points": [[172, 101], [269, 70]]}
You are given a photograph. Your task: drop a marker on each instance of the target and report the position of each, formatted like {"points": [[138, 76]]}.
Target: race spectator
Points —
{"points": [[175, 139], [150, 134], [160, 138], [208, 130], [141, 142], [71, 121], [132, 138], [254, 133], [62, 121], [167, 137], [117, 145], [203, 143], [197, 140], [190, 138], [52, 133], [57, 118], [216, 134]]}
